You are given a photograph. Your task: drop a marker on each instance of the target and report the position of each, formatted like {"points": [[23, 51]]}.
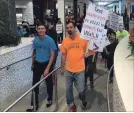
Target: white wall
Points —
{"points": [[27, 13]]}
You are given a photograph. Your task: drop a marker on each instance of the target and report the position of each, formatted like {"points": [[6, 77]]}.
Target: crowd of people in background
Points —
{"points": [[75, 71]]}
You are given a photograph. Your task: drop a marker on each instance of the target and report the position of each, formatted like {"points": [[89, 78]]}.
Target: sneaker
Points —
{"points": [[84, 105], [91, 85], [31, 109], [49, 103], [72, 109], [111, 81]]}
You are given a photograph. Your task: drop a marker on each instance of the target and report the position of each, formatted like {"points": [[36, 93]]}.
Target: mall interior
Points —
{"points": [[15, 61]]}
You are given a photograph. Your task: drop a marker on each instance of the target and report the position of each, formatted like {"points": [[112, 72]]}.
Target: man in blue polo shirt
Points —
{"points": [[43, 55]]}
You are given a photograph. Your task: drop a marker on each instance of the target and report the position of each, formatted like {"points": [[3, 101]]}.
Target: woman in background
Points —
{"points": [[109, 52]]}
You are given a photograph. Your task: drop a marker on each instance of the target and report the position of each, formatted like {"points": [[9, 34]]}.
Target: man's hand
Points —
{"points": [[46, 72], [86, 55]]}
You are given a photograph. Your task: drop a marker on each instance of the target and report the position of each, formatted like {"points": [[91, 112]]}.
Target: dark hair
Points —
{"points": [[41, 25], [71, 22], [109, 31], [112, 32]]}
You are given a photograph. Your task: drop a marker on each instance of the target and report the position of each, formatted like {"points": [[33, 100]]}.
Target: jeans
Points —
{"points": [[79, 80]]}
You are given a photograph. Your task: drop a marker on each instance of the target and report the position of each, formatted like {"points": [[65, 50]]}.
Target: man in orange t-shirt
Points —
{"points": [[73, 50]]}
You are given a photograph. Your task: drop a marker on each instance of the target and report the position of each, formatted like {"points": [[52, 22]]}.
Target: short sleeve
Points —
{"points": [[63, 48], [52, 45]]}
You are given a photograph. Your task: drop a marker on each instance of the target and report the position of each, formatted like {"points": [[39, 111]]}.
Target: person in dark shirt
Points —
{"points": [[79, 24], [51, 31], [109, 52]]}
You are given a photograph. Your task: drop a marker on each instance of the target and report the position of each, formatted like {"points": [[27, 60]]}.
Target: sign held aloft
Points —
{"points": [[93, 27]]}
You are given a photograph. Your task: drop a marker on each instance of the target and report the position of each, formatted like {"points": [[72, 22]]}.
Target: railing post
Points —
{"points": [[34, 103], [107, 90], [56, 94]]}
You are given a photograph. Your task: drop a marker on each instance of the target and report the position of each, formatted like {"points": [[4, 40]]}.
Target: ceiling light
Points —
{"points": [[102, 3]]}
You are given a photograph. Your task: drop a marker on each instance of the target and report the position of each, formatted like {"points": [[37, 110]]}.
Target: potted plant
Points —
{"points": [[7, 36]]}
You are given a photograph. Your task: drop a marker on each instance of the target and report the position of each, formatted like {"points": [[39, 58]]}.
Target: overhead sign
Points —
{"points": [[59, 28], [94, 22]]}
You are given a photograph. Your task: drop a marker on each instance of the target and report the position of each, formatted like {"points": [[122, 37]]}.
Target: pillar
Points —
{"points": [[61, 11], [120, 4], [128, 6], [75, 8], [28, 12], [81, 8], [8, 16]]}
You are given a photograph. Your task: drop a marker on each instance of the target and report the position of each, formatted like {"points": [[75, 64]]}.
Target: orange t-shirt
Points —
{"points": [[75, 50]]}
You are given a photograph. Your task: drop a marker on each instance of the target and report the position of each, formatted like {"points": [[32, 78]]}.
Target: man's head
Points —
{"points": [[71, 28], [112, 36], [38, 22], [121, 27], [49, 22], [41, 30]]}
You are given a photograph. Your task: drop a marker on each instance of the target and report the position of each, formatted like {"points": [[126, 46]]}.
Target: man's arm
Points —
{"points": [[63, 61], [51, 60], [46, 71], [33, 59]]}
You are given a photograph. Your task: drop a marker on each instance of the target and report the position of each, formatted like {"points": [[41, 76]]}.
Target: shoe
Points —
{"points": [[31, 109], [72, 109], [84, 105], [91, 86], [111, 81], [49, 103]]}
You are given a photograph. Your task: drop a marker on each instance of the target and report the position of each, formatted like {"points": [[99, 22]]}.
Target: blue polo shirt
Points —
{"points": [[43, 48]]}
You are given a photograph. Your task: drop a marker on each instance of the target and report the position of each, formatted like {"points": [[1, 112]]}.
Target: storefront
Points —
{"points": [[24, 11]]}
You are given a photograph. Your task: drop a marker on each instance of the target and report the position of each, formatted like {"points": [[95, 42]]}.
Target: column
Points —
{"points": [[81, 8], [7, 16], [61, 11], [28, 12], [120, 7], [128, 6], [75, 8]]}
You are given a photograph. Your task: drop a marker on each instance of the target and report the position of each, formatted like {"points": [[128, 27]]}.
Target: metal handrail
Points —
{"points": [[15, 62], [27, 92], [108, 100]]}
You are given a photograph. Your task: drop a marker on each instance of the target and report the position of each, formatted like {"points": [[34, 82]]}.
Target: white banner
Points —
{"points": [[98, 44], [94, 22], [59, 28]]}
